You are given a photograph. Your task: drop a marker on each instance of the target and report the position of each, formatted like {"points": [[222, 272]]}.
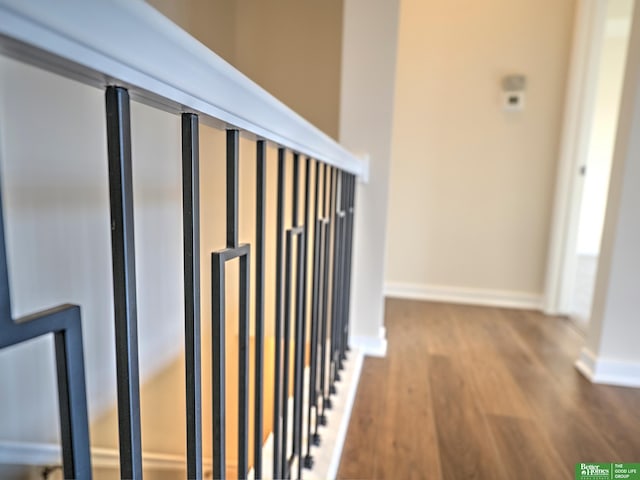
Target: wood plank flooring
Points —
{"points": [[483, 393]]}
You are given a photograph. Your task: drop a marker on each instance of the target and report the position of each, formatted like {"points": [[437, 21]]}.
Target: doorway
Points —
{"points": [[599, 154], [595, 90]]}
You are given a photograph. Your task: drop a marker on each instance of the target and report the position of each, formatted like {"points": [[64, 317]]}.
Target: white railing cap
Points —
{"points": [[129, 42]]}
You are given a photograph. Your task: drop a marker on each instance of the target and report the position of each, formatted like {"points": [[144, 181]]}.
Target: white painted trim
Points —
{"points": [[468, 296], [132, 44], [608, 371], [332, 472], [42, 454], [589, 30], [370, 346], [618, 27], [366, 167], [19, 453]]}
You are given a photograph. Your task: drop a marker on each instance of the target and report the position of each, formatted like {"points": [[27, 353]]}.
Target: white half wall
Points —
{"points": [[371, 346], [614, 333], [370, 29]]}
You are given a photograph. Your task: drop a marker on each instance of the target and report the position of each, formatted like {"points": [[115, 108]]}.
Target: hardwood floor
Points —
{"points": [[483, 393]]}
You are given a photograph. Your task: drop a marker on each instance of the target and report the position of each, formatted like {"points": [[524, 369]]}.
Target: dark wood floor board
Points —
{"points": [[407, 444], [482, 327], [495, 389], [552, 340], [359, 453], [524, 451], [466, 451], [599, 408], [438, 339]]}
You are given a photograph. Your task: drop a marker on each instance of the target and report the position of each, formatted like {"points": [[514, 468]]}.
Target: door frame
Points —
{"points": [[588, 37]]}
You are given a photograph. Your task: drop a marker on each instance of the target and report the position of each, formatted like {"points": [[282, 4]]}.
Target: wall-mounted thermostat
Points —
{"points": [[513, 93], [513, 101]]}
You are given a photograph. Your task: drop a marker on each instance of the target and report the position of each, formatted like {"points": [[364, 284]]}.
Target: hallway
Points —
{"points": [[484, 393]]}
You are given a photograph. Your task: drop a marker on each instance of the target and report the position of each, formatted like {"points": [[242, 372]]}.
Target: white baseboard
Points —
{"points": [[332, 472], [19, 453], [371, 346], [608, 372], [47, 454], [327, 456], [468, 296]]}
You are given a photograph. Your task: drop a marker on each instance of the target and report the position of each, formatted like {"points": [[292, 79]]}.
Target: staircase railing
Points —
{"points": [[132, 52]]}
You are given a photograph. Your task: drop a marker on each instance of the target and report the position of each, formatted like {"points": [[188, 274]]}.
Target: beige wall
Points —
{"points": [[210, 21], [291, 48], [472, 185]]}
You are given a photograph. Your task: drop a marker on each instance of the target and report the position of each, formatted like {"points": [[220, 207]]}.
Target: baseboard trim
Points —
{"points": [[608, 372], [327, 456], [371, 346], [46, 454], [467, 296], [332, 472]]}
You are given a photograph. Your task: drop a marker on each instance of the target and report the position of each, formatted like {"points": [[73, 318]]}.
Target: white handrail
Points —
{"points": [[129, 43]]}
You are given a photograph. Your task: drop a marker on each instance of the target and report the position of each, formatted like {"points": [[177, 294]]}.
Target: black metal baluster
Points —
{"points": [[302, 319], [326, 401], [192, 338], [287, 319], [337, 282], [344, 192], [243, 328], [345, 287], [301, 289], [124, 280], [299, 315], [277, 395], [334, 263], [286, 346], [218, 260], [343, 272], [72, 396], [349, 255], [319, 386], [299, 349], [259, 332], [336, 287], [243, 361], [218, 359], [315, 300]]}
